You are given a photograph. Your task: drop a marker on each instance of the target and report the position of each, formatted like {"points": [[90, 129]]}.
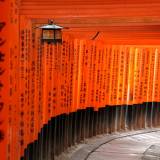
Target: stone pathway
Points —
{"points": [[135, 147]]}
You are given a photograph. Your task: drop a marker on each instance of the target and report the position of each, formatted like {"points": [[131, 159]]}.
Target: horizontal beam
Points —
{"points": [[60, 2], [102, 24], [92, 10]]}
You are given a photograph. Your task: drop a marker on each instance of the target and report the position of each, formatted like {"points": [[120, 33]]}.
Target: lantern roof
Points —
{"points": [[51, 26]]}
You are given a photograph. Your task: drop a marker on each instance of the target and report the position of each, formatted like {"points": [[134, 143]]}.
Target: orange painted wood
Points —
{"points": [[43, 80]]}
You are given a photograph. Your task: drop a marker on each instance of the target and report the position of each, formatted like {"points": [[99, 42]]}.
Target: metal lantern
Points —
{"points": [[51, 33]]}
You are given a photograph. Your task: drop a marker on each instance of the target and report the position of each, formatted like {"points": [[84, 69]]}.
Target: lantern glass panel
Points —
{"points": [[58, 34], [48, 34]]}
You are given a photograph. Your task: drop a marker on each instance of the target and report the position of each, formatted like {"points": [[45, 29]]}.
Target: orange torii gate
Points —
{"points": [[41, 81]]}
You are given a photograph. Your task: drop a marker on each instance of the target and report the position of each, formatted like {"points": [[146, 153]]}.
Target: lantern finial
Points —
{"points": [[50, 21]]}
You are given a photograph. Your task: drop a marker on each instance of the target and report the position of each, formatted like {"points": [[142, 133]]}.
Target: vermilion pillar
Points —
{"points": [[4, 56]]}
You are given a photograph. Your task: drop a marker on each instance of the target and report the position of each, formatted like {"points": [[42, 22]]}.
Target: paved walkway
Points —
{"points": [[135, 147]]}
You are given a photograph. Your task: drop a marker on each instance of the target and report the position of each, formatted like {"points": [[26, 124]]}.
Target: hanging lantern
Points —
{"points": [[51, 33]]}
